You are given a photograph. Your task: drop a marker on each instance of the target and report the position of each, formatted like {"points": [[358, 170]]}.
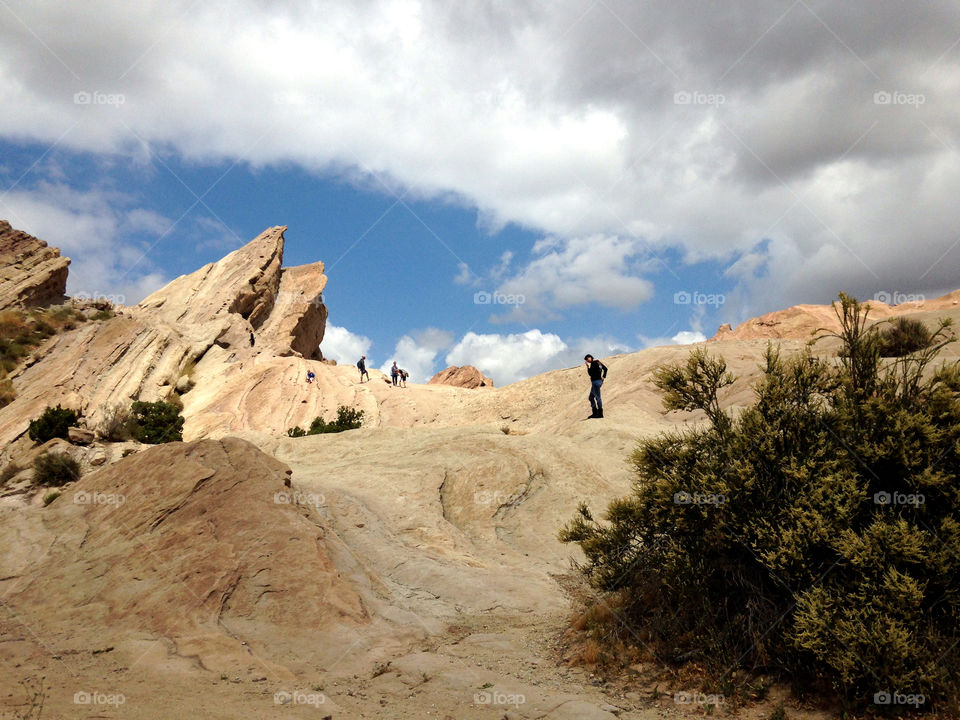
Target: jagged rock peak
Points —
{"points": [[32, 273]]}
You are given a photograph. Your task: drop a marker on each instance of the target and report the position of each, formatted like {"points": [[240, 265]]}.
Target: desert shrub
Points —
{"points": [[903, 336], [50, 497], [103, 314], [816, 533], [347, 419], [53, 423], [115, 424], [9, 471], [55, 469], [156, 422], [7, 393]]}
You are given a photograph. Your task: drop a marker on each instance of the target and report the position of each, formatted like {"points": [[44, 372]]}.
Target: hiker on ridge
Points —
{"points": [[362, 367], [395, 373], [597, 372]]}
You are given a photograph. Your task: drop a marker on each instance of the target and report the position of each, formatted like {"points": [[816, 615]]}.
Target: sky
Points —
{"points": [[503, 184]]}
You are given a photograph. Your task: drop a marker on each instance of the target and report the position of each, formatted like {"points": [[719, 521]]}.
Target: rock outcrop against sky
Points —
{"points": [[465, 376], [32, 273]]}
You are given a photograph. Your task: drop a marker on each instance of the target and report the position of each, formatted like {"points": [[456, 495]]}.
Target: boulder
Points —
{"points": [[466, 376], [32, 274], [79, 436]]}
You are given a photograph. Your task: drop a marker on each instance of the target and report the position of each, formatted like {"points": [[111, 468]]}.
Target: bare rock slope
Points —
{"points": [[466, 376], [31, 272]]}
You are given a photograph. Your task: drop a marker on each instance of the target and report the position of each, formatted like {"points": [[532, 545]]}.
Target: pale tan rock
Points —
{"points": [[31, 272], [466, 376], [80, 436]]}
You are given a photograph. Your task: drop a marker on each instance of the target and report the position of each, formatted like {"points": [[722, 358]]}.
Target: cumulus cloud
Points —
{"points": [[417, 353], [343, 346], [507, 358], [688, 337], [829, 129], [93, 228]]}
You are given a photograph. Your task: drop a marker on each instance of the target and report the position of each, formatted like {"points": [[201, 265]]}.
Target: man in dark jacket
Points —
{"points": [[597, 372], [362, 367]]}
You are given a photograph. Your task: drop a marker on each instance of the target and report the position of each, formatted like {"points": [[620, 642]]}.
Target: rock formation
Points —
{"points": [[201, 319], [32, 273], [466, 376]]}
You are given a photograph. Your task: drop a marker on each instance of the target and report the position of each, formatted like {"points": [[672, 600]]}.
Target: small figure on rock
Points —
{"points": [[403, 377], [311, 376], [252, 339], [395, 373], [362, 367], [598, 373]]}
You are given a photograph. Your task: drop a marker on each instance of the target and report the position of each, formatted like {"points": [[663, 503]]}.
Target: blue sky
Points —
{"points": [[636, 174]]}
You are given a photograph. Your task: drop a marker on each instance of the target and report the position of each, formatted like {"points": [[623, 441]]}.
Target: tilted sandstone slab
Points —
{"points": [[32, 274], [466, 376], [146, 352]]}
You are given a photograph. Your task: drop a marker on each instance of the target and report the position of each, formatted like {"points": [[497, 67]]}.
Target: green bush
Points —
{"points": [[347, 419], [50, 497], [53, 423], [903, 336], [55, 469], [815, 533], [156, 422]]}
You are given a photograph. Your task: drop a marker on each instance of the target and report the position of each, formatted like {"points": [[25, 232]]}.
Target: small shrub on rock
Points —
{"points": [[53, 423], [55, 469], [156, 422], [347, 419]]}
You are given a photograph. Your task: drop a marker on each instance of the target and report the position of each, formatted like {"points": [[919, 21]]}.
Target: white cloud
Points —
{"points": [[688, 337], [343, 346], [417, 353], [508, 358], [92, 228], [582, 124]]}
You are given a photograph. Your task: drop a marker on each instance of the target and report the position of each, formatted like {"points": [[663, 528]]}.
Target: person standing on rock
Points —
{"points": [[395, 373], [598, 373], [362, 367], [252, 339]]}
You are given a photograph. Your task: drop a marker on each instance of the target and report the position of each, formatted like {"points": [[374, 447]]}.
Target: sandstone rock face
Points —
{"points": [[803, 321], [202, 319], [32, 273], [466, 376], [200, 545]]}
